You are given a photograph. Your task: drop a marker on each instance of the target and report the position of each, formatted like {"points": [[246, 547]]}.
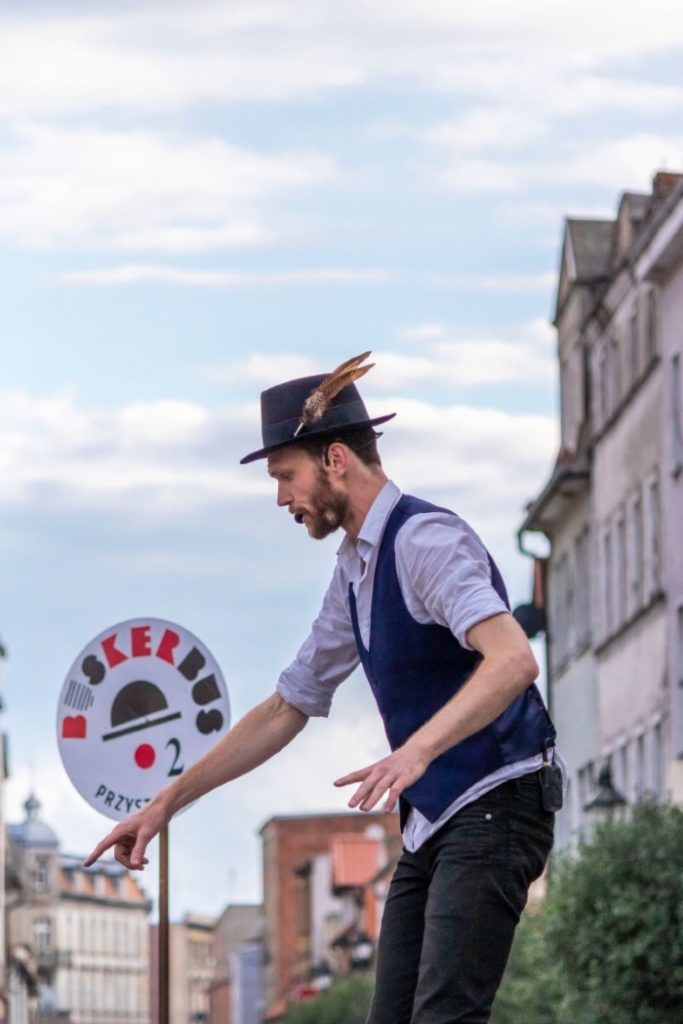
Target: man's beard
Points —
{"points": [[328, 509]]}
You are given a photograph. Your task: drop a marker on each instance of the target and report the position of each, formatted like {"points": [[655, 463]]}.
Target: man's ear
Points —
{"points": [[336, 456]]}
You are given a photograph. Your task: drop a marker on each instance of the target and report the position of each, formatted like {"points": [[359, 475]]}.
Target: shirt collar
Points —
{"points": [[373, 526]]}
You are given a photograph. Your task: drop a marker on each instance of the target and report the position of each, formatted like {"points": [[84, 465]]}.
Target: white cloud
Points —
{"points": [[138, 272], [139, 189], [447, 358], [627, 162], [157, 61], [525, 355], [483, 128], [97, 458], [511, 282], [184, 456], [163, 58], [422, 332], [194, 239], [262, 370], [133, 273]]}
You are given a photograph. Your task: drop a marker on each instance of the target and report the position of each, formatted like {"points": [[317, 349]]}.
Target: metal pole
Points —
{"points": [[163, 928]]}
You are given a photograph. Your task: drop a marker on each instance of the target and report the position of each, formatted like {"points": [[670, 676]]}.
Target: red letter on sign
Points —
{"points": [[140, 641], [167, 646], [74, 727], [112, 654]]}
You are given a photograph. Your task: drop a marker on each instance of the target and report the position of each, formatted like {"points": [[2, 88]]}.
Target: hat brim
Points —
{"points": [[262, 453]]}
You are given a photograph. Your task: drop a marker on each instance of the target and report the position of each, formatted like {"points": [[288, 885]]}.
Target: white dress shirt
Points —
{"points": [[445, 578]]}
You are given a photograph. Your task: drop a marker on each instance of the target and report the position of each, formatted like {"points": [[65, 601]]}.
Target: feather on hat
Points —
{"points": [[314, 406], [317, 403]]}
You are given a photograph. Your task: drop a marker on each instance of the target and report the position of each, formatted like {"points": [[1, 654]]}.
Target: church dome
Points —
{"points": [[33, 831]]}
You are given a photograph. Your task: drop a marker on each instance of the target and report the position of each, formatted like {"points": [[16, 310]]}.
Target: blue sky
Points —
{"points": [[198, 203]]}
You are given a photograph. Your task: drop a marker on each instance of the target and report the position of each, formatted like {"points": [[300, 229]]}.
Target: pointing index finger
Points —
{"points": [[114, 837], [101, 847]]}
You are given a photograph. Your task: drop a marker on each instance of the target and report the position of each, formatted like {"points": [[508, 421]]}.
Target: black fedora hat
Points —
{"points": [[281, 414]]}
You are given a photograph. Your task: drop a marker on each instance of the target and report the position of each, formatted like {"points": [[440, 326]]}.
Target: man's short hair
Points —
{"points": [[361, 440]]}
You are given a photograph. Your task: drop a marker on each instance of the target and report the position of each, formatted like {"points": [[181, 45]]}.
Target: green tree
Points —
{"points": [[607, 945], [347, 1002]]}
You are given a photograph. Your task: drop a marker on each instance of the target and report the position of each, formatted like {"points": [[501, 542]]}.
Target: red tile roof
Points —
{"points": [[355, 859]]}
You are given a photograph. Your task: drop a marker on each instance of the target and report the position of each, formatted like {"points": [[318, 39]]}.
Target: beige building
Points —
{"points": [[191, 969], [613, 508], [83, 932]]}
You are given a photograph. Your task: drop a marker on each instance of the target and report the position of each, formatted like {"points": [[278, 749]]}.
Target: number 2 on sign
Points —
{"points": [[175, 769]]}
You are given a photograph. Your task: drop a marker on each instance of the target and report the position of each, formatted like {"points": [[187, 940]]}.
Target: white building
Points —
{"points": [[613, 508], [85, 931]]}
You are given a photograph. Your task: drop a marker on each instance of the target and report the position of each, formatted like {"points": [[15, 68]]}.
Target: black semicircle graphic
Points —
{"points": [[136, 700]]}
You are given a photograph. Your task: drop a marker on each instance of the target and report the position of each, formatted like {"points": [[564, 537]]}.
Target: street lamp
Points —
{"points": [[361, 949], [608, 803], [321, 975]]}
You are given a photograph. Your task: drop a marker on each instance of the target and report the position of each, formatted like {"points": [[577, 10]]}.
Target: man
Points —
{"points": [[417, 599]]}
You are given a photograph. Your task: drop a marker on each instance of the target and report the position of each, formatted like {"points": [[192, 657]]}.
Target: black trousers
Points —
{"points": [[453, 906]]}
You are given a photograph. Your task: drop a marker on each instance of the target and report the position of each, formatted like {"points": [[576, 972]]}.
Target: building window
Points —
{"points": [[651, 327], [653, 537], [607, 581], [676, 415], [633, 347], [41, 878], [615, 373], [621, 587], [586, 785], [636, 559], [658, 759], [639, 781], [624, 778], [678, 675], [583, 587], [42, 934], [602, 387]]}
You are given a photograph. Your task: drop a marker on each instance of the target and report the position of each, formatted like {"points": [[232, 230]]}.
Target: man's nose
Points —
{"points": [[283, 495]]}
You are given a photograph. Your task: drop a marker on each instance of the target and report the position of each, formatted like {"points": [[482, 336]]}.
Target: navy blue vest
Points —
{"points": [[414, 669]]}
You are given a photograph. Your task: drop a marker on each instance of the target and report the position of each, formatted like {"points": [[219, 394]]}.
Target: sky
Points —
{"points": [[198, 202]]}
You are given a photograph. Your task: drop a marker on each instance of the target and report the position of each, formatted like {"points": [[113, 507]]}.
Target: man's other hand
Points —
{"points": [[391, 775]]}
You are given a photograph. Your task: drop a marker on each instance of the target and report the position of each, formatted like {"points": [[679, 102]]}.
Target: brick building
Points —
{"points": [[290, 845]]}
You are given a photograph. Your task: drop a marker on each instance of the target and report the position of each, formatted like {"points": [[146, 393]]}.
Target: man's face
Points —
{"points": [[304, 486]]}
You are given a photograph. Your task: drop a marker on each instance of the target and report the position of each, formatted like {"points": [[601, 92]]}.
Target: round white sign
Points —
{"points": [[141, 703]]}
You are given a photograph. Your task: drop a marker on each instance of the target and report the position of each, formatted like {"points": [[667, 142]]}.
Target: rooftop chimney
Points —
{"points": [[665, 182]]}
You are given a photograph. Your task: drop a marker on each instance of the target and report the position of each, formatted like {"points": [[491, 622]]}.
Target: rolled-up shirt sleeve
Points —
{"points": [[325, 659], [445, 575]]}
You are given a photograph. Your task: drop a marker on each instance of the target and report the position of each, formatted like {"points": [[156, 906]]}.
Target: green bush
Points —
{"points": [[347, 1002], [607, 945]]}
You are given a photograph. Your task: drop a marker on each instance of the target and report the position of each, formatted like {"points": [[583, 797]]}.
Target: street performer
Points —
{"points": [[415, 598]]}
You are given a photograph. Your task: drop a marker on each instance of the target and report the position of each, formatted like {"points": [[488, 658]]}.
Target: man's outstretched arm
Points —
{"points": [[264, 731]]}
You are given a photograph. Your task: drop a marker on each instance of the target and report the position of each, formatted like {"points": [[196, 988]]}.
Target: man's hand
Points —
{"points": [[394, 773], [264, 731], [507, 668], [131, 837]]}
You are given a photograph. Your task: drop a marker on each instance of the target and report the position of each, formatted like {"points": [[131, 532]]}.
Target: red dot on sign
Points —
{"points": [[145, 756]]}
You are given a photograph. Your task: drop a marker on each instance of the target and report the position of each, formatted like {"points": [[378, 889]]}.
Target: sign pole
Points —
{"points": [[163, 928]]}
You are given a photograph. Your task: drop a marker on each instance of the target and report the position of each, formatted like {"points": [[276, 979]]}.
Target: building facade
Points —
{"points": [[236, 991], [613, 507], [191, 969], [83, 932], [301, 909]]}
